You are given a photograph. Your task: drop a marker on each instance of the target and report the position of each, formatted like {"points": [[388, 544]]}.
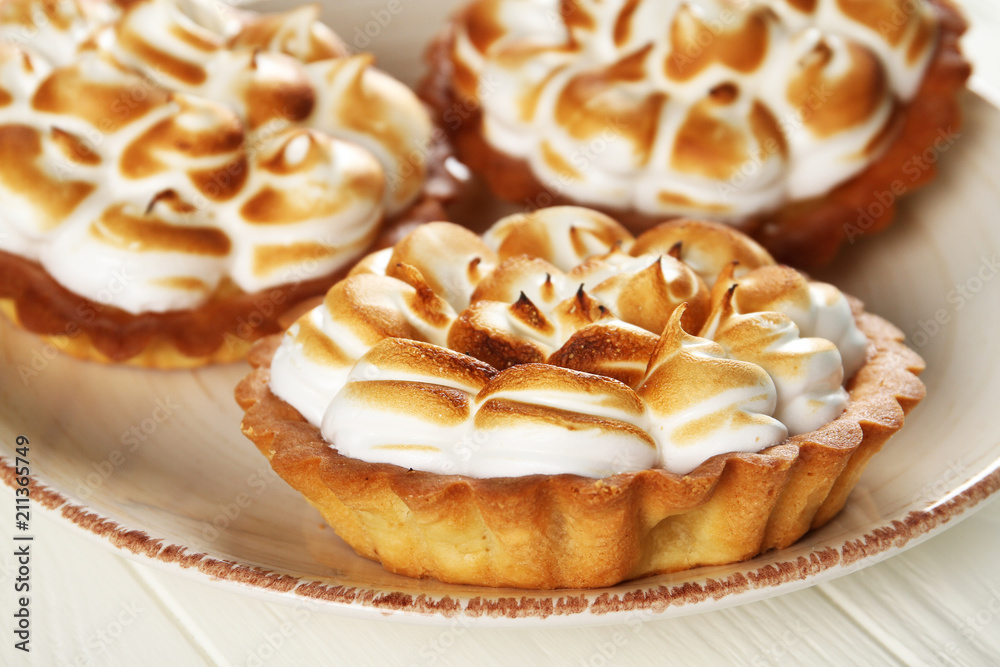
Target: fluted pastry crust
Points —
{"points": [[569, 447], [762, 190], [567, 531]]}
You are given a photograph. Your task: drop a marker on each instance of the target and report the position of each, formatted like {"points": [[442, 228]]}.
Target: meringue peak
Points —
{"points": [[527, 312], [807, 372], [696, 394]]}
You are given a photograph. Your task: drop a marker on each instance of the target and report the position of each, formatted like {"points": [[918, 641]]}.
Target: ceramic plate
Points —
{"points": [[153, 463]]}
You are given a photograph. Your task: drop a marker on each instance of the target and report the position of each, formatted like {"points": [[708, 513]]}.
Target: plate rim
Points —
{"points": [[645, 601]]}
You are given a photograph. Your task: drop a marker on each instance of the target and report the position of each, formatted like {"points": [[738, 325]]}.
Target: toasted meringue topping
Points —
{"points": [[322, 347], [686, 107], [539, 282], [807, 372], [470, 260], [523, 416], [708, 248], [301, 186], [158, 249], [247, 125], [303, 76], [450, 415], [817, 309], [361, 104], [591, 369], [53, 30], [645, 290], [297, 33], [406, 403], [561, 235], [701, 402], [611, 348]]}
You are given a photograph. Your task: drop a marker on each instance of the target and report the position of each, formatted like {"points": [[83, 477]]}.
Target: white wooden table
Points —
{"points": [[938, 603]]}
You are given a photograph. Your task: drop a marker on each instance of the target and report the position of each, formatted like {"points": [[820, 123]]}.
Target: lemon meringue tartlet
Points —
{"points": [[799, 122], [560, 404], [177, 174]]}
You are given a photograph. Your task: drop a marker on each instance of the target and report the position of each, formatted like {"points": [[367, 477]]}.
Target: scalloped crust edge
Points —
{"points": [[160, 353], [566, 531]]}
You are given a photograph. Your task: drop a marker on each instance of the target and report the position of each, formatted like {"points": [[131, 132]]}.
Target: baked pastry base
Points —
{"points": [[566, 531], [222, 330], [804, 233], [158, 353]]}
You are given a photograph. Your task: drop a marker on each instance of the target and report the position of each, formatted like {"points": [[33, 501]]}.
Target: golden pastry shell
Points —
{"points": [[566, 531]]}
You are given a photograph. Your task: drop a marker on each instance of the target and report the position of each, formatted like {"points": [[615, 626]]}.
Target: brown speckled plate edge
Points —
{"points": [[654, 597]]}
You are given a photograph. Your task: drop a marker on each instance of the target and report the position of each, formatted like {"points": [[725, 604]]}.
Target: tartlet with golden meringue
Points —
{"points": [[800, 123], [177, 174], [597, 411]]}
